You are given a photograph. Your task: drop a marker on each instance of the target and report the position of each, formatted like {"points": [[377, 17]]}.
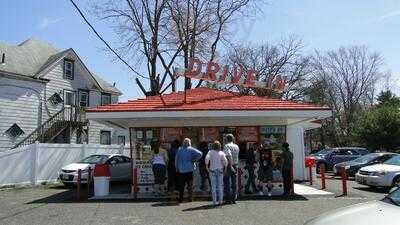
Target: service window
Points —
{"points": [[121, 140]]}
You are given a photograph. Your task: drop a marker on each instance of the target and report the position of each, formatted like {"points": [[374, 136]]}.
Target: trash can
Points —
{"points": [[101, 180]]}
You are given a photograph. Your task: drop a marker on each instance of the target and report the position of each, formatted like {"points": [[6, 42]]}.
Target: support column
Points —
{"points": [[295, 138]]}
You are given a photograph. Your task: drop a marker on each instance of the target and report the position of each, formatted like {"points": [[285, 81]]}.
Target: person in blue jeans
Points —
{"points": [[216, 164]]}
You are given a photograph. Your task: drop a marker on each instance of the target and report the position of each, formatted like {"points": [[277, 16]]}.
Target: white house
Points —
{"points": [[43, 96]]}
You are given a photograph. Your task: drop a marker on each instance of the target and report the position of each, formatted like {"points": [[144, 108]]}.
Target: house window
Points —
{"points": [[69, 69], [14, 131], [69, 98], [105, 99], [121, 140], [55, 99], [83, 98], [105, 137]]}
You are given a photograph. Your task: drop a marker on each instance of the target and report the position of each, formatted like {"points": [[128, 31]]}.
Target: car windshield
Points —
{"points": [[324, 151], [393, 161], [366, 158], [394, 197], [95, 159]]}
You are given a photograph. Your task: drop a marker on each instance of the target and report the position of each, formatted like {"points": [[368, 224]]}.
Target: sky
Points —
{"points": [[321, 24]]}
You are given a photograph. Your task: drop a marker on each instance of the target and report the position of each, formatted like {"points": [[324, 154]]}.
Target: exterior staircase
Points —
{"points": [[71, 117]]}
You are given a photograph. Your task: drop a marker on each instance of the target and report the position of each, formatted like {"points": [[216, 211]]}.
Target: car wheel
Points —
{"points": [[396, 182]]}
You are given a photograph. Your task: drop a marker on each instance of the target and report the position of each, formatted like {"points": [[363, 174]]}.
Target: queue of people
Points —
{"points": [[218, 167]]}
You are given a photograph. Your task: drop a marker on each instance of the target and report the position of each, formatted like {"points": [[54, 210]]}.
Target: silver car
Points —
{"points": [[383, 212], [120, 168]]}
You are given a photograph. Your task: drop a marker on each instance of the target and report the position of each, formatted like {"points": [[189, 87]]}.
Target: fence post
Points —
{"points": [[344, 181], [322, 172], [89, 181], [34, 159]]}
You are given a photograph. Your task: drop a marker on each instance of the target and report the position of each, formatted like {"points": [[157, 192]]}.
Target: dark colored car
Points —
{"points": [[331, 156], [353, 166]]}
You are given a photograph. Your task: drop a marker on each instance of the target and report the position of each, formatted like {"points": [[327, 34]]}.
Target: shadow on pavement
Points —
{"points": [[62, 197], [202, 207], [372, 189]]}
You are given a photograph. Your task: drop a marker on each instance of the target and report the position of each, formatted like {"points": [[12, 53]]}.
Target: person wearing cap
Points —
{"points": [[184, 163], [231, 151], [287, 166]]}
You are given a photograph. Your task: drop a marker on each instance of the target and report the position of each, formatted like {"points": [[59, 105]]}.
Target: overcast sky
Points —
{"points": [[321, 24]]}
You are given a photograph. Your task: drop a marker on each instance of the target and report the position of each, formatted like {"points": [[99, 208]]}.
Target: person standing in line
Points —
{"points": [[287, 167], [250, 166], [172, 180], [203, 147], [184, 163], [159, 166], [231, 151], [265, 170], [216, 164]]}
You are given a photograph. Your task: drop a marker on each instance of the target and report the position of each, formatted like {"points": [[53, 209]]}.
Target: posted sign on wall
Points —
{"points": [[237, 75]]}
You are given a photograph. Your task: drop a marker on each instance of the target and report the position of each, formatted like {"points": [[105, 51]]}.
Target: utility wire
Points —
{"points": [[108, 46]]}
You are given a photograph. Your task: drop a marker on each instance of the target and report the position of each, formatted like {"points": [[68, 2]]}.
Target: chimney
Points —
{"points": [[3, 58]]}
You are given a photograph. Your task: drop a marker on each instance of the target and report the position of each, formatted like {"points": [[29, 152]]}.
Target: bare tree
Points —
{"points": [[200, 25], [162, 33], [269, 61], [349, 76]]}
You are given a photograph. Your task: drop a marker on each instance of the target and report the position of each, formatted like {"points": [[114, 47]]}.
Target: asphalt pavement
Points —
{"points": [[55, 205]]}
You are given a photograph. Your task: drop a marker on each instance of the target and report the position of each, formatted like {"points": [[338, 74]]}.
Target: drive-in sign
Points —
{"points": [[237, 75]]}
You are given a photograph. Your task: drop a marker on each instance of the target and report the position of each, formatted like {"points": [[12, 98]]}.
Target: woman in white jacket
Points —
{"points": [[216, 164]]}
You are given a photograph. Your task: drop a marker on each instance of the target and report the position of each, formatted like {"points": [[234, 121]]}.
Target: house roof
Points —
{"points": [[205, 99], [33, 56]]}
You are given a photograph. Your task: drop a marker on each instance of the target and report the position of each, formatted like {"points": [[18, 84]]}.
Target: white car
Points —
{"points": [[381, 175], [119, 168], [383, 212]]}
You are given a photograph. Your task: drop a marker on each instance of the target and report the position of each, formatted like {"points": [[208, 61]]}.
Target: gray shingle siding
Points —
{"points": [[21, 105]]}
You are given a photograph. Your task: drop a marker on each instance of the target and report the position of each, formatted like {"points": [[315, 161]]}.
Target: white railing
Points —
{"points": [[40, 162]]}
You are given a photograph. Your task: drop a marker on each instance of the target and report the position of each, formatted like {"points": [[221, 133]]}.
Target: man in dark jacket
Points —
{"points": [[287, 167]]}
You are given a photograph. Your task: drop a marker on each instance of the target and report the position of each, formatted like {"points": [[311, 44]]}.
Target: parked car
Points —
{"points": [[120, 168], [331, 156], [383, 212], [353, 166], [386, 174]]}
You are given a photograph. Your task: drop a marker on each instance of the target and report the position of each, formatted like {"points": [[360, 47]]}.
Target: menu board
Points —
{"points": [[247, 134], [211, 134], [171, 134], [145, 172]]}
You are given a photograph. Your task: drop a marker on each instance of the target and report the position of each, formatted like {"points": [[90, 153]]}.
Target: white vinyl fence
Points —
{"points": [[40, 162]]}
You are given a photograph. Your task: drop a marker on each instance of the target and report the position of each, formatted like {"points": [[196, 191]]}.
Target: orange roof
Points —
{"points": [[205, 99]]}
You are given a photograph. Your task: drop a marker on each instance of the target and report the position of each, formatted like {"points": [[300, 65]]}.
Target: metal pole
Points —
{"points": [[310, 174], [132, 166], [344, 181], [78, 185], [89, 181], [322, 171]]}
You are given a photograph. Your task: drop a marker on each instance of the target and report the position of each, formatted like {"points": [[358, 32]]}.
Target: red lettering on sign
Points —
{"points": [[237, 74], [251, 77], [280, 82], [190, 72], [224, 74], [212, 70]]}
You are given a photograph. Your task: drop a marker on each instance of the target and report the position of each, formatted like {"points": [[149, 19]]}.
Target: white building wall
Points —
{"points": [[20, 104], [295, 138]]}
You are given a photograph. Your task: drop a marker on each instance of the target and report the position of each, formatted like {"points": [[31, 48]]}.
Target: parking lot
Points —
{"points": [[55, 205]]}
